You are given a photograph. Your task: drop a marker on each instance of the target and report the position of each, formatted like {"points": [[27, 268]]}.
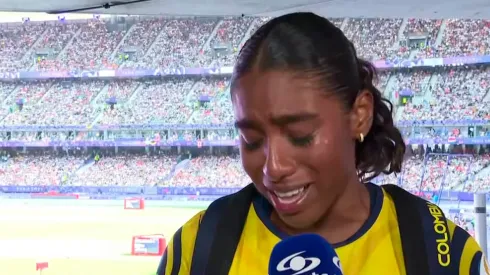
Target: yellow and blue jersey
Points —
{"points": [[375, 249]]}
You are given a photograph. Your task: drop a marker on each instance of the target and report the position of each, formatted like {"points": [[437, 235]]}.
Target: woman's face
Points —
{"points": [[296, 143]]}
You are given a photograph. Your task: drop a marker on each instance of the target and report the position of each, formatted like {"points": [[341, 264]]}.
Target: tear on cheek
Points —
{"points": [[322, 141]]}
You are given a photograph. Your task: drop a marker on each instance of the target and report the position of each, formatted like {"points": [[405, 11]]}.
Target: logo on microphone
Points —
{"points": [[297, 263]]}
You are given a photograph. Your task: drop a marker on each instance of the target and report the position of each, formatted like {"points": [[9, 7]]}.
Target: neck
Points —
{"points": [[347, 215]]}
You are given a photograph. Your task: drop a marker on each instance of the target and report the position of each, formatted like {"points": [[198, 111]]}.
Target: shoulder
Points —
{"points": [[188, 235], [178, 253], [195, 220], [467, 251], [183, 240], [463, 249], [188, 231], [222, 206]]}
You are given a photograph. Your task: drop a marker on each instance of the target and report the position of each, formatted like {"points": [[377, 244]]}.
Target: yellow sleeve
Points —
{"points": [[178, 255], [472, 260]]}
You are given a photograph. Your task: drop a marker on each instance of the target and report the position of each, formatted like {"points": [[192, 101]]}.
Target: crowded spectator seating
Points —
{"points": [[138, 41], [15, 43], [211, 171], [91, 47], [439, 94], [155, 101], [154, 42], [180, 43], [374, 39], [461, 38], [37, 169], [467, 173], [53, 103], [230, 33], [450, 93], [166, 43], [123, 170]]}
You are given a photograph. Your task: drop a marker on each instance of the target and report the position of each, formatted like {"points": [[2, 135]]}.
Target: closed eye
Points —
{"points": [[302, 141], [251, 146]]}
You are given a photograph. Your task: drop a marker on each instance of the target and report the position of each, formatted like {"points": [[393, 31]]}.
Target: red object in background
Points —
{"points": [[41, 266], [134, 203], [162, 245]]}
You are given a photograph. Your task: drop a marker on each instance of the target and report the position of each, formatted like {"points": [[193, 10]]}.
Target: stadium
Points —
{"points": [[115, 130]]}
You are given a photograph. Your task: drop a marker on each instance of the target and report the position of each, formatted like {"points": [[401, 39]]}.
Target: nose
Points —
{"points": [[279, 163]]}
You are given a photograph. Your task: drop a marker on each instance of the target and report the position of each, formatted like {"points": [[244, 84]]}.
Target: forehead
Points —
{"points": [[270, 94]]}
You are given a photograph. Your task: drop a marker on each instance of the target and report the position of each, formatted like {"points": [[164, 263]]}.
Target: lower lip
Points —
{"points": [[290, 207]]}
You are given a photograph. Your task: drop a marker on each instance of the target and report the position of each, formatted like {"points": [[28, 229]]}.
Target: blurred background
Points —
{"points": [[115, 129]]}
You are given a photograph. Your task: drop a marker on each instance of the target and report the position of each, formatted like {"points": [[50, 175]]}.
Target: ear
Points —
{"points": [[361, 114]]}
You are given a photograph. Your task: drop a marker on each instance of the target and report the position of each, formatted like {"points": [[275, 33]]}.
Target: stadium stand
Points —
{"points": [[154, 42], [438, 94]]}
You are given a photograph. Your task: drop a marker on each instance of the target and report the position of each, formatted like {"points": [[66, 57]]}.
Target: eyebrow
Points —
{"points": [[282, 120]]}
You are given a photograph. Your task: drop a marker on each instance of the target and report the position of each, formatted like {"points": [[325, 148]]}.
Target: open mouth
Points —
{"points": [[290, 201]]}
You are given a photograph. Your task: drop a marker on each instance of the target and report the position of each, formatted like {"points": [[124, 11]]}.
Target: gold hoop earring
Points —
{"points": [[361, 137]]}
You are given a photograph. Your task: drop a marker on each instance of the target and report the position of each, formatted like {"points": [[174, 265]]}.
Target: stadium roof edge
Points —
{"points": [[471, 9]]}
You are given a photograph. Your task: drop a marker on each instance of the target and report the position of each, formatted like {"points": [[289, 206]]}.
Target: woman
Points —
{"points": [[313, 131]]}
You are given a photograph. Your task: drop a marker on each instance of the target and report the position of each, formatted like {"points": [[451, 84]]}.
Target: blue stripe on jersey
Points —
{"points": [[460, 237], [162, 266], [177, 249], [475, 264]]}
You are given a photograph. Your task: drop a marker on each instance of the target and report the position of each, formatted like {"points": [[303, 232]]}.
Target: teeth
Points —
{"points": [[290, 193]]}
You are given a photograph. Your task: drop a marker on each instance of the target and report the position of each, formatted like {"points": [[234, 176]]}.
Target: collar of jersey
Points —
{"points": [[264, 210]]}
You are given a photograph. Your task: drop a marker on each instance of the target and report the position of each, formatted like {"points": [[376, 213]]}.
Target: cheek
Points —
{"points": [[321, 154], [332, 155]]}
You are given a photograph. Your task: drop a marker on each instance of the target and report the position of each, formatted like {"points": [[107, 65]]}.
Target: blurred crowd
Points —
{"points": [[452, 93], [467, 173], [439, 94], [157, 42]]}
